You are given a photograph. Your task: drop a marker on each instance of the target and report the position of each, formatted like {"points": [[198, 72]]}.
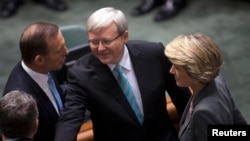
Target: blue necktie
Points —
{"points": [[55, 93], [127, 89]]}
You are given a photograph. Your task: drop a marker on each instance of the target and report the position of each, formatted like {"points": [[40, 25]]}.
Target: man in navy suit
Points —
{"points": [[43, 50], [94, 86]]}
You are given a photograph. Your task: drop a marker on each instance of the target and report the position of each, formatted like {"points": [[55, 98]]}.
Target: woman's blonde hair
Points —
{"points": [[198, 54]]}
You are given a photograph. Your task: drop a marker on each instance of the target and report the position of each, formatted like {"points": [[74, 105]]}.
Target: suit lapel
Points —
{"points": [[42, 99], [186, 117], [109, 82], [137, 60]]}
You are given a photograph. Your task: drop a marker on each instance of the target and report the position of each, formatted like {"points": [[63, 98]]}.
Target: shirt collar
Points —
{"points": [[125, 61], [40, 78]]}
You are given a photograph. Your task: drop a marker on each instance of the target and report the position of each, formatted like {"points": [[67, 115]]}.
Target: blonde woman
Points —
{"points": [[197, 61]]}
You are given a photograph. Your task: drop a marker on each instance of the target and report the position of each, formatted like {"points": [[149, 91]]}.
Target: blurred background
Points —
{"points": [[227, 22]]}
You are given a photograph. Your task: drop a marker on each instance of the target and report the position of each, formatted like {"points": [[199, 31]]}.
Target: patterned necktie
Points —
{"points": [[127, 90], [55, 93]]}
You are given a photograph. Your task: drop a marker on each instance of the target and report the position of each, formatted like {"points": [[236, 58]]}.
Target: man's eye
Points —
{"points": [[106, 42], [95, 42]]}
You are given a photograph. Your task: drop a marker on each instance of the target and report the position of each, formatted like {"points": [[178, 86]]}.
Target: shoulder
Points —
{"points": [[143, 43], [86, 66], [16, 80], [86, 62], [212, 110], [17, 69], [145, 47]]}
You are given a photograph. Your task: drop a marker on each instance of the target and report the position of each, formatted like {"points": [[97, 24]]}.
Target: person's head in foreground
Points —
{"points": [[18, 115]]}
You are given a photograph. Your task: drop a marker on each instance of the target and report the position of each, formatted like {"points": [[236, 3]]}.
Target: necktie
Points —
{"points": [[55, 93], [127, 90]]}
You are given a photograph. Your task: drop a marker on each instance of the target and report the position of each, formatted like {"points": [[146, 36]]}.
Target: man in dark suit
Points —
{"points": [[10, 7], [18, 116], [43, 50], [93, 85]]}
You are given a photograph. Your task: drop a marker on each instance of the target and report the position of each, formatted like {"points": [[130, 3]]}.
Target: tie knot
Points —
{"points": [[118, 69]]}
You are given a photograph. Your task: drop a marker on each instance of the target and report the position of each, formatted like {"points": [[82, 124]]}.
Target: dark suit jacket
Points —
{"points": [[212, 105], [20, 80], [92, 85]]}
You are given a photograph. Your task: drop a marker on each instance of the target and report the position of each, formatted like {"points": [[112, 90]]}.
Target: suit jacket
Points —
{"points": [[92, 85], [211, 106], [20, 80]]}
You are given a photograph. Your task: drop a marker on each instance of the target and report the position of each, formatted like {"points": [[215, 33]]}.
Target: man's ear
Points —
{"points": [[39, 59], [125, 36]]}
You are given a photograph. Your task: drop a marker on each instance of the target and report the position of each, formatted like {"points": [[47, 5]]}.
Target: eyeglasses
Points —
{"points": [[105, 42]]}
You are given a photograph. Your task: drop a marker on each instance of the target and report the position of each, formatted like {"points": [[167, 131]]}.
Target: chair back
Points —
{"points": [[74, 35], [76, 40]]}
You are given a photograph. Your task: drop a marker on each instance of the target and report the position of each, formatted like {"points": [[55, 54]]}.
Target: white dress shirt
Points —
{"points": [[128, 69], [42, 81]]}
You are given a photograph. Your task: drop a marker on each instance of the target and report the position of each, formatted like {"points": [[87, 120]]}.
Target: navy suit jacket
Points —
{"points": [[213, 105], [20, 80], [92, 85]]}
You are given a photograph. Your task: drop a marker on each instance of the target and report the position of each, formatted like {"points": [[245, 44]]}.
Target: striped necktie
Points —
{"points": [[127, 90]]}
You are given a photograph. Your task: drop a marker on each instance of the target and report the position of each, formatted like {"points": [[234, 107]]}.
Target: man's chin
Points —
{"points": [[105, 60], [59, 67]]}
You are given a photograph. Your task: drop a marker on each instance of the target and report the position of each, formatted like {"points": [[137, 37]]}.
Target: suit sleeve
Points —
{"points": [[74, 110]]}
